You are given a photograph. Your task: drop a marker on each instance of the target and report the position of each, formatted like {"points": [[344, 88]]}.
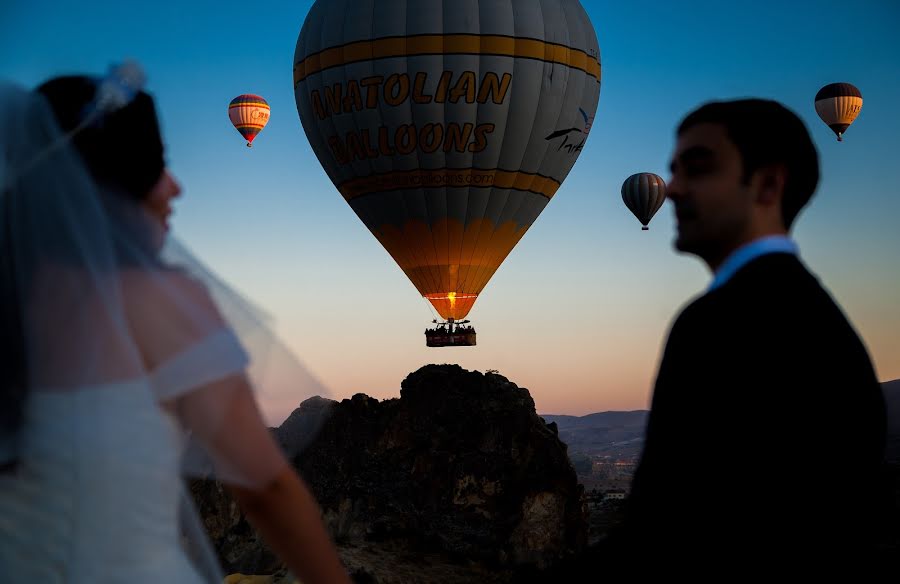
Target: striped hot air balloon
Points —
{"points": [[643, 194], [447, 127], [249, 114], [838, 104]]}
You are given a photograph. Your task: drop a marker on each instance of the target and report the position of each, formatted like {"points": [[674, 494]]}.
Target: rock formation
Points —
{"points": [[459, 469]]}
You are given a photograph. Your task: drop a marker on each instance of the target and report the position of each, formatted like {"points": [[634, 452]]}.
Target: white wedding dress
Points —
{"points": [[96, 497], [116, 319]]}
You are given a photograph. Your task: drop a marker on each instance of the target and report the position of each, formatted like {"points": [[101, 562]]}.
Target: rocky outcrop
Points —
{"points": [[460, 469], [237, 544]]}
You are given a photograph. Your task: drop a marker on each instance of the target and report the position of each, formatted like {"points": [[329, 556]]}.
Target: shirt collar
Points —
{"points": [[749, 252]]}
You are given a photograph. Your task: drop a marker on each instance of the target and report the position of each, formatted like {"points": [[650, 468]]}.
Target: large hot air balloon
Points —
{"points": [[838, 104], [249, 114], [643, 194], [447, 127]]}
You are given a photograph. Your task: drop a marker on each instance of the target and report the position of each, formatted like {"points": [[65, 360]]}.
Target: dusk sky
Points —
{"points": [[579, 311]]}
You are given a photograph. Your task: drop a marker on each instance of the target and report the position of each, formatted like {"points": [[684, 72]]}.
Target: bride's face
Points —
{"points": [[159, 202]]}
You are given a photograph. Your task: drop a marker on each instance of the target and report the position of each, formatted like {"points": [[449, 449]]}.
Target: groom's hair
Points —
{"points": [[765, 132]]}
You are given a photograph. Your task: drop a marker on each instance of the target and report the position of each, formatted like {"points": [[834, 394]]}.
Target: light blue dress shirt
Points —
{"points": [[749, 252]]}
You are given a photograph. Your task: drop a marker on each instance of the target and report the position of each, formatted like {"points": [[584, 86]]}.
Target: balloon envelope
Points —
{"points": [[643, 194], [838, 104], [447, 127], [249, 114]]}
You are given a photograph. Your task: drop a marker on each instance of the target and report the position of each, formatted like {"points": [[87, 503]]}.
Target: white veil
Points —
{"points": [[101, 296]]}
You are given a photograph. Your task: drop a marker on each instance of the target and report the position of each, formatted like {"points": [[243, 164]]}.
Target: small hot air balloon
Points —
{"points": [[838, 104], [249, 113], [644, 193]]}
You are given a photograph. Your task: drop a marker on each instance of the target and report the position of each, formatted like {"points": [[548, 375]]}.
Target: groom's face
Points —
{"points": [[713, 204]]}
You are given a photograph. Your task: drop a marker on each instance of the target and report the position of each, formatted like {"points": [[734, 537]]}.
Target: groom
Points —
{"points": [[767, 426]]}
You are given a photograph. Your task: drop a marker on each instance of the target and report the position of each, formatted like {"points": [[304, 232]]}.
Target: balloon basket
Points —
{"points": [[450, 334], [645, 228]]}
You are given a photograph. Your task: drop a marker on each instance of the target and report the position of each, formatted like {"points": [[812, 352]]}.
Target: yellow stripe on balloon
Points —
{"points": [[450, 44], [250, 104]]}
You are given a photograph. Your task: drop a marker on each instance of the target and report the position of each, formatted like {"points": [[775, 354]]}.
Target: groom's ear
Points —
{"points": [[769, 182]]}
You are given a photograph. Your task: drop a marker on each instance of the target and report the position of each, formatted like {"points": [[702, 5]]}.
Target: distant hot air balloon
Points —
{"points": [[447, 131], [838, 104], [249, 113], [644, 193]]}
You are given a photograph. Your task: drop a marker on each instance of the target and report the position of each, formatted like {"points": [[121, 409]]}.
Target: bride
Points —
{"points": [[112, 356]]}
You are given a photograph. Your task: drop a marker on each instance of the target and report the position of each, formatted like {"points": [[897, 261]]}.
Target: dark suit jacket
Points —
{"points": [[766, 432]]}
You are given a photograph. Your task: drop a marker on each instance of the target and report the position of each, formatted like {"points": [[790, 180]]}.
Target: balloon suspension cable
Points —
{"points": [[432, 313]]}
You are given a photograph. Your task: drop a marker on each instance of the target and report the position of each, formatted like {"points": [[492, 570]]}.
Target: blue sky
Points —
{"points": [[579, 310]]}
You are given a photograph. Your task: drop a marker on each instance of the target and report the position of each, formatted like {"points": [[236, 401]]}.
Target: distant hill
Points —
{"points": [[600, 420], [621, 434], [615, 434]]}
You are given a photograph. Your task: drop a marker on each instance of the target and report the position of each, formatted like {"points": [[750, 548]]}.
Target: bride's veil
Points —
{"points": [[96, 294]]}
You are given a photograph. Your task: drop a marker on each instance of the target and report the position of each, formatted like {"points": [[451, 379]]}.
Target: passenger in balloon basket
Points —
{"points": [[452, 333], [764, 385]]}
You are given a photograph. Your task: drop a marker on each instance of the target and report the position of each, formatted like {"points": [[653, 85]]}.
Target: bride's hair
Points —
{"points": [[123, 148], [123, 152]]}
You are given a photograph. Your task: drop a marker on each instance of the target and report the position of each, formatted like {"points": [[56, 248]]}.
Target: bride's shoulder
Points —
{"points": [[168, 293]]}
